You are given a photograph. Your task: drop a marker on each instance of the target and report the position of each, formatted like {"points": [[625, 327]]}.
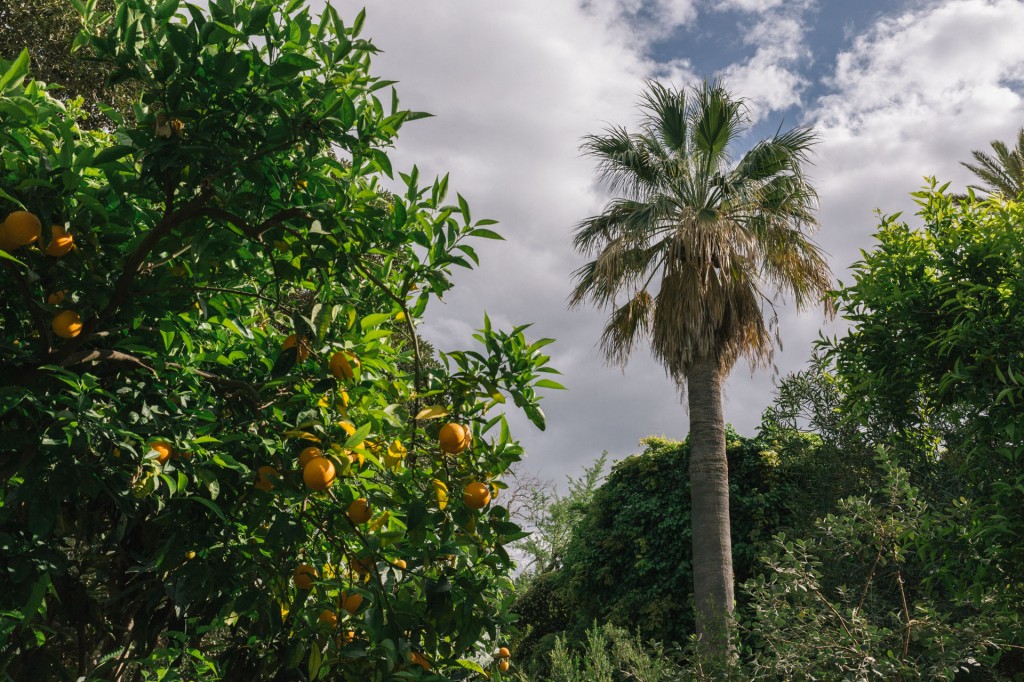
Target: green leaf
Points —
{"points": [[111, 154], [548, 383], [485, 234], [16, 72]]}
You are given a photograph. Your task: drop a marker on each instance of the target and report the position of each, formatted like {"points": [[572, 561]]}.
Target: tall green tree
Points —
{"points": [[1002, 172], [693, 241]]}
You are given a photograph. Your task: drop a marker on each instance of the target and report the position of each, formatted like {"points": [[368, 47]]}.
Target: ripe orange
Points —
{"points": [[265, 478], [328, 618], [361, 566], [416, 658], [292, 341], [61, 242], [308, 454], [67, 324], [348, 637], [476, 495], [454, 438], [19, 229], [341, 365], [350, 602], [503, 665], [503, 652], [359, 511], [163, 448], [304, 576], [319, 473], [399, 564], [57, 297]]}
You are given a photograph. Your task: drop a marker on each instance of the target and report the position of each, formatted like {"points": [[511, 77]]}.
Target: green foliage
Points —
{"points": [[47, 30], [916, 576], [611, 654], [851, 600], [240, 205], [553, 517], [628, 560], [935, 366]]}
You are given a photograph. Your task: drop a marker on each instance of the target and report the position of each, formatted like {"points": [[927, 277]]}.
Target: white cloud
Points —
{"points": [[912, 97], [515, 85], [770, 79], [748, 5]]}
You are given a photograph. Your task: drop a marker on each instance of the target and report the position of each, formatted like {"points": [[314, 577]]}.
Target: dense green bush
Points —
{"points": [[627, 562]]}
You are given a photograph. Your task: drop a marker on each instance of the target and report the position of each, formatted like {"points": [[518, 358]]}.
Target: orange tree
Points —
{"points": [[200, 298]]}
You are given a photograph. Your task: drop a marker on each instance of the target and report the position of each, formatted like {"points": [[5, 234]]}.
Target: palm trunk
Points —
{"points": [[709, 499]]}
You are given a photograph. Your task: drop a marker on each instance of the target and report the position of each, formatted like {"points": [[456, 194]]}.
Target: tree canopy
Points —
{"points": [[224, 452]]}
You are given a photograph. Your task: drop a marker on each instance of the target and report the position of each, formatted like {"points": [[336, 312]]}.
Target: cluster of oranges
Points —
{"points": [[22, 229]]}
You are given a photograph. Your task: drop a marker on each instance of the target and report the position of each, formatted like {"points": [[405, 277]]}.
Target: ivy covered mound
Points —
{"points": [[220, 435]]}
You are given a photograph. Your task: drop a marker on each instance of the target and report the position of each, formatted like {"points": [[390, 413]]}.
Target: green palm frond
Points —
{"points": [[1002, 173], [706, 233]]}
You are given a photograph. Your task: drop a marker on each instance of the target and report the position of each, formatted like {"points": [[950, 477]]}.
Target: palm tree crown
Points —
{"points": [[711, 234], [1003, 172]]}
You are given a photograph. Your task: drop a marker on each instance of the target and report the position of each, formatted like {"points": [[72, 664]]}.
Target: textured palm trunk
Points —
{"points": [[709, 499]]}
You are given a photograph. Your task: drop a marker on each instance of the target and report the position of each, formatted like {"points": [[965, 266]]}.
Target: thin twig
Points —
{"points": [[417, 361]]}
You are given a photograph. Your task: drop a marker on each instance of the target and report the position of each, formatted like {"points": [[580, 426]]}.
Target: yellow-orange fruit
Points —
{"points": [[503, 665], [453, 438], [399, 564], [307, 454], [319, 473], [359, 511], [341, 365], [163, 448], [328, 618], [351, 602], [361, 566], [57, 297], [292, 341], [304, 576], [503, 652], [416, 658], [476, 495], [67, 324], [265, 476], [61, 242], [19, 229]]}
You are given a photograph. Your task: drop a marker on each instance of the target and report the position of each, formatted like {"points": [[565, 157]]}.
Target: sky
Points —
{"points": [[897, 90]]}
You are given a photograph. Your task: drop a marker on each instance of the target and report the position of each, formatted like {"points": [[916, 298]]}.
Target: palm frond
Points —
{"points": [[667, 115], [627, 325], [1002, 173]]}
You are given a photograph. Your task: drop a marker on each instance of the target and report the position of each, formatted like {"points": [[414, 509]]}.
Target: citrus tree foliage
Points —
{"points": [[239, 287]]}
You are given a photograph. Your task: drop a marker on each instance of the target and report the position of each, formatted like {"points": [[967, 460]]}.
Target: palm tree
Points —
{"points": [[711, 236], [1002, 173]]}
